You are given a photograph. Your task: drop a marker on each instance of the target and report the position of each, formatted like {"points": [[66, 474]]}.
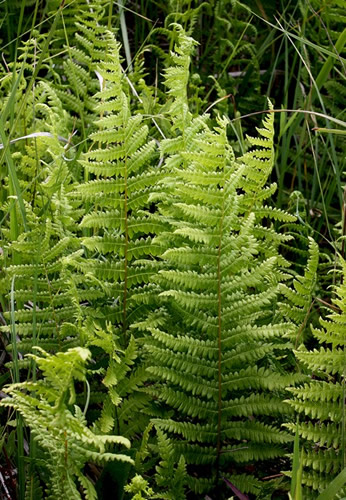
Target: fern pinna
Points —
{"points": [[213, 335], [119, 251], [320, 402]]}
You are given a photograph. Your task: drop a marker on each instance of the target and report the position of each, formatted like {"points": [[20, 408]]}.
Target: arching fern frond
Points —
{"points": [[218, 288], [81, 33], [59, 426], [118, 240]]}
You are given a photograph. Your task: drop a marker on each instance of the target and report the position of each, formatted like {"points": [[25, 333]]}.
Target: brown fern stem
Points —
{"points": [[219, 404], [125, 259]]}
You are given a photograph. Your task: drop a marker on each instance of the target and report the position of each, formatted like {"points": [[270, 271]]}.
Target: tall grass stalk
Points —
{"points": [[19, 419], [124, 34]]}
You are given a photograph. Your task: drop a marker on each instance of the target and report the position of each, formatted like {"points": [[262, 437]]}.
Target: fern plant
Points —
{"points": [[170, 478], [119, 251], [59, 426], [216, 317], [33, 256], [119, 247], [320, 402], [40, 287]]}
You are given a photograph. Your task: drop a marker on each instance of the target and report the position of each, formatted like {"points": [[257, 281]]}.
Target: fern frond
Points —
{"points": [[120, 228], [218, 285], [63, 433], [321, 400]]}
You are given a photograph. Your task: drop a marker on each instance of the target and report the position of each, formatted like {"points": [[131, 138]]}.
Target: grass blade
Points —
{"points": [[334, 487], [12, 174], [124, 35], [295, 465], [328, 65], [19, 427]]}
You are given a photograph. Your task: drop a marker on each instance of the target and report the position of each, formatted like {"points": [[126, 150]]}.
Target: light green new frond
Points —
{"points": [[60, 431], [88, 44], [170, 477], [258, 163]]}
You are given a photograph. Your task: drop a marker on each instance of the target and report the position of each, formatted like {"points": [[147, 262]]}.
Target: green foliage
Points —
{"points": [[120, 163], [320, 401], [299, 298], [59, 426], [41, 288], [215, 327], [170, 477], [136, 234]]}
